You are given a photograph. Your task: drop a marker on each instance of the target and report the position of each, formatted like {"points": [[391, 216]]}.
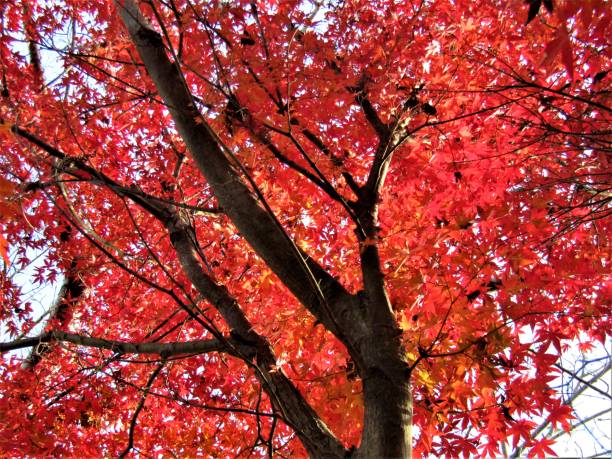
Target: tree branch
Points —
{"points": [[122, 347], [581, 389], [258, 226], [139, 408], [315, 435], [244, 343], [381, 129], [69, 294], [316, 289], [588, 384]]}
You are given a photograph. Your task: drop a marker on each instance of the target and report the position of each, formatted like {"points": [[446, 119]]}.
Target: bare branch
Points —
{"points": [[587, 384], [122, 347]]}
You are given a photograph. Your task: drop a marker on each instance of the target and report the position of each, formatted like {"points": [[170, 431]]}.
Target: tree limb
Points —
{"points": [[244, 343], [316, 289], [122, 347], [69, 294], [316, 437], [139, 408], [381, 129]]}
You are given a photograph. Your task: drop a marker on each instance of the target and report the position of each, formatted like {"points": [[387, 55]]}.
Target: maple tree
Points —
{"points": [[298, 228]]}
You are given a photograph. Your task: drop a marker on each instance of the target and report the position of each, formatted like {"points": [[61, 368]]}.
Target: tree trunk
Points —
{"points": [[387, 400]]}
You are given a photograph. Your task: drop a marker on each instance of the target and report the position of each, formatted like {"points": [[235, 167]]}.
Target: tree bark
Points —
{"points": [[387, 399], [314, 287]]}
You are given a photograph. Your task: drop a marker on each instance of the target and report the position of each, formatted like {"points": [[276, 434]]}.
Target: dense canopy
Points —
{"points": [[325, 228]]}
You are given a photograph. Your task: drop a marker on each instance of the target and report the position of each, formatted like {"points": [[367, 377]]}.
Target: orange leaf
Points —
{"points": [[5, 128], [6, 187], [4, 249]]}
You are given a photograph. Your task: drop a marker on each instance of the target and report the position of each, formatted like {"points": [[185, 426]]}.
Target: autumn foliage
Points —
{"points": [[299, 228]]}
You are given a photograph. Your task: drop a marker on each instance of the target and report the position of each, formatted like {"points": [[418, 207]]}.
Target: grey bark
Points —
{"points": [[295, 410], [245, 343]]}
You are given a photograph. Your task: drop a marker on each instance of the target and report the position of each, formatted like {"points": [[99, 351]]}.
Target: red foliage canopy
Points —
{"points": [[300, 227]]}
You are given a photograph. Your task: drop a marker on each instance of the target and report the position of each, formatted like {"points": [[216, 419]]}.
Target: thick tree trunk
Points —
{"points": [[388, 420], [387, 400]]}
